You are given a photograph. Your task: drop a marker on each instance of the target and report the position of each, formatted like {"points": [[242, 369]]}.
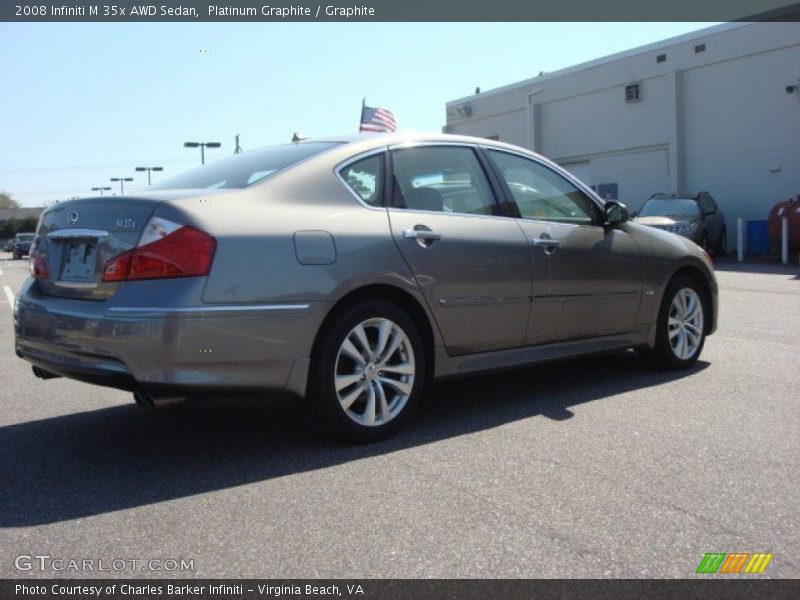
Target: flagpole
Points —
{"points": [[361, 115]]}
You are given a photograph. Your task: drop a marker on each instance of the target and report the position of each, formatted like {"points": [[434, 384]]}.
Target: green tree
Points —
{"points": [[7, 201]]}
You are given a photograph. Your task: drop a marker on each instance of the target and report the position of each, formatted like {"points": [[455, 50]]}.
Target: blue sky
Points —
{"points": [[85, 102]]}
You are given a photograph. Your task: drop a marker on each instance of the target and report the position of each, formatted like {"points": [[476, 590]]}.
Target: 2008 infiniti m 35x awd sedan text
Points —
{"points": [[352, 272]]}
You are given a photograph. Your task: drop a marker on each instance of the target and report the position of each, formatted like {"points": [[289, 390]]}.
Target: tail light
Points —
{"points": [[38, 262], [165, 250]]}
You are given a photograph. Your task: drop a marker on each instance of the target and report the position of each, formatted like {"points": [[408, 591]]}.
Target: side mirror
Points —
{"points": [[616, 213]]}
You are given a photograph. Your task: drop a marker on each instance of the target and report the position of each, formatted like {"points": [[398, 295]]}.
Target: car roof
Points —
{"points": [[368, 141]]}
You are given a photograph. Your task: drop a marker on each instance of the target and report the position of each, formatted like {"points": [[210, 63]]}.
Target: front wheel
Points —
{"points": [[368, 371], [681, 332]]}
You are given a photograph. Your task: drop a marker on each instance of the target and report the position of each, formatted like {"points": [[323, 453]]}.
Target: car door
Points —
{"points": [[472, 264], [587, 278]]}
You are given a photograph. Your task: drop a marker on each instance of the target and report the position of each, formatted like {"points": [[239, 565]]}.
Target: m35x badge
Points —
{"points": [[126, 224]]}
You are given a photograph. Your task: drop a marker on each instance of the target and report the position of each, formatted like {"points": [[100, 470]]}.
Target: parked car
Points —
{"points": [[353, 271], [22, 245], [694, 216]]}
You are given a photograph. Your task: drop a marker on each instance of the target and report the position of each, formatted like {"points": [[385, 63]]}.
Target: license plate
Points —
{"points": [[80, 263]]}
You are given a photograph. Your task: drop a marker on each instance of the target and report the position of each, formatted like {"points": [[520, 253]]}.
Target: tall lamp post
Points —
{"points": [[122, 181], [202, 146], [148, 169], [101, 189]]}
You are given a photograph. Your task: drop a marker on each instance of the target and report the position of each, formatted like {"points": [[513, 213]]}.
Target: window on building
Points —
{"points": [[632, 93], [661, 58], [699, 48]]}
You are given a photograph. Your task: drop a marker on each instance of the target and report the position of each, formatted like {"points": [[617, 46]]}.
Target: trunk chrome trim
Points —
{"points": [[67, 234], [76, 285]]}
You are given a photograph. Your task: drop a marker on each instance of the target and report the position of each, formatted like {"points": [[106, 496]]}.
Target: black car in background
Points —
{"points": [[22, 245], [693, 216]]}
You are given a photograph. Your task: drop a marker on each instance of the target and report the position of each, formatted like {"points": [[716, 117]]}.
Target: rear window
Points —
{"points": [[243, 170]]}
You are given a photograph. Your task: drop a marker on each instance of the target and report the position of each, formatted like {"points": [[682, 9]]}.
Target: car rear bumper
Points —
{"points": [[186, 350]]}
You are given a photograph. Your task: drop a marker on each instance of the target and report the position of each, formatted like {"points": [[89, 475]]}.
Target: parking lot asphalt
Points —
{"points": [[597, 467]]}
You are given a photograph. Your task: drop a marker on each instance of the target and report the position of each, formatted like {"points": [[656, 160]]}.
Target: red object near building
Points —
{"points": [[791, 210]]}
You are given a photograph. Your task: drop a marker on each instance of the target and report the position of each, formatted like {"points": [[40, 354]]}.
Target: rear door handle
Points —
{"points": [[421, 234], [546, 243]]}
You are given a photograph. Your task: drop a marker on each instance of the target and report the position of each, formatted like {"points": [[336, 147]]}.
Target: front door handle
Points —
{"points": [[546, 243], [421, 234]]}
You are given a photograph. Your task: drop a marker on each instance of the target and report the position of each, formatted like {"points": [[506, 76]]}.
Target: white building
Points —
{"points": [[715, 110]]}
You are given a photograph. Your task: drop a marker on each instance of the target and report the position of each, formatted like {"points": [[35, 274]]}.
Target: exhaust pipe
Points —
{"points": [[42, 374], [146, 400]]}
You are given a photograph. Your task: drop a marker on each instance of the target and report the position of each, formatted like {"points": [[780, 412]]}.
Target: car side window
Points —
{"points": [[542, 194], [446, 179], [365, 178]]}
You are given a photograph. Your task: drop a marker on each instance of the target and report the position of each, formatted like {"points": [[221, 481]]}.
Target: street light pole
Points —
{"points": [[148, 169], [101, 190], [202, 146], [122, 181]]}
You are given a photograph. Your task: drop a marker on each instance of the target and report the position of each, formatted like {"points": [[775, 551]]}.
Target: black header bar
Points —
{"points": [[397, 10]]}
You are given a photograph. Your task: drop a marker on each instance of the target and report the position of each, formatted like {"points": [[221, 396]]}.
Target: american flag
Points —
{"points": [[375, 118]]}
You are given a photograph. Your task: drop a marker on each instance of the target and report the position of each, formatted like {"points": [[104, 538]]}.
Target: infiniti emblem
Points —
{"points": [[72, 218]]}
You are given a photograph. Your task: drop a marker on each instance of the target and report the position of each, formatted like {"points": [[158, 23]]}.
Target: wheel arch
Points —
{"points": [[699, 275], [394, 295]]}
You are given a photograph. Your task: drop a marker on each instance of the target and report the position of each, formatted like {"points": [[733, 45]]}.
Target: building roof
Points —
{"points": [[605, 60]]}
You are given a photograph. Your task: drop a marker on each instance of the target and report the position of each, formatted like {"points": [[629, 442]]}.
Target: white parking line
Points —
{"points": [[9, 295]]}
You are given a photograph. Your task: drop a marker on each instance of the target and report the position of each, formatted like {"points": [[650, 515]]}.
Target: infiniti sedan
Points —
{"points": [[694, 216], [351, 272]]}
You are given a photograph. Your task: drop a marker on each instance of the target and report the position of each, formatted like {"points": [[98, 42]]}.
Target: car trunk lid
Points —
{"points": [[76, 238]]}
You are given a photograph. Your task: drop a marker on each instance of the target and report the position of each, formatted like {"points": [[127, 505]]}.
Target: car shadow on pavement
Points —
{"points": [[122, 457]]}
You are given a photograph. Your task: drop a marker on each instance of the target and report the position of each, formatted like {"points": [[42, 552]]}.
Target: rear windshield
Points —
{"points": [[670, 207], [246, 169]]}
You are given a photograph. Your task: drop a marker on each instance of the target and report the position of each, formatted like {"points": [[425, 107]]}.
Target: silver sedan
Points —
{"points": [[352, 272]]}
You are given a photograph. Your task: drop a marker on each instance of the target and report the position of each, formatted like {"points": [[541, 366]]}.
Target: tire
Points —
{"points": [[371, 402], [688, 333]]}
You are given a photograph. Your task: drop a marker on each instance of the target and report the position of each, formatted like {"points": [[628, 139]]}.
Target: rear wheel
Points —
{"points": [[368, 371], [681, 333]]}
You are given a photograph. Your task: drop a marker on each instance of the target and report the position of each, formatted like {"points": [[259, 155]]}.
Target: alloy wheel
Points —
{"points": [[685, 323], [375, 370]]}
